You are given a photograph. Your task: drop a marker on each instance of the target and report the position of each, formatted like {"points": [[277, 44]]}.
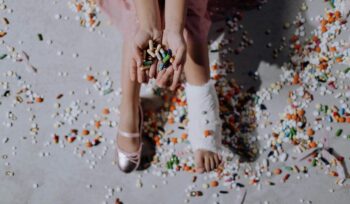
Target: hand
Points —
{"points": [[141, 43], [176, 42]]}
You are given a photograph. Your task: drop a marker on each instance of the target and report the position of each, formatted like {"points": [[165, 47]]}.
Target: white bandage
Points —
{"points": [[203, 115]]}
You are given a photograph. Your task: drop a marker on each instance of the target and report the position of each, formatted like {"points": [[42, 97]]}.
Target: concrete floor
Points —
{"points": [[54, 173]]}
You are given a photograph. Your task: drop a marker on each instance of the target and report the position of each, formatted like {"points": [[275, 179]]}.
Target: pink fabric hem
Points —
{"points": [[123, 16]]}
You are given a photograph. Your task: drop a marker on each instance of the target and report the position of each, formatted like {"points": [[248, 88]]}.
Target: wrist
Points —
{"points": [[151, 31], [173, 30]]}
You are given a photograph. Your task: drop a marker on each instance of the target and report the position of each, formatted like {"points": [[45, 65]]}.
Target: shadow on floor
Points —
{"points": [[250, 32]]}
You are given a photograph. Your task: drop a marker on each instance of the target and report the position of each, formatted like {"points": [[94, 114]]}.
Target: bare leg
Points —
{"points": [[197, 62], [129, 107], [197, 73], [129, 115]]}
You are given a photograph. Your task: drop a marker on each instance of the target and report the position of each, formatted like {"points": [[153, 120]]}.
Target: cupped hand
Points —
{"points": [[141, 43], [170, 76]]}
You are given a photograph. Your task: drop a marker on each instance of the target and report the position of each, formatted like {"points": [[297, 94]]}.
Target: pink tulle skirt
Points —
{"points": [[122, 14]]}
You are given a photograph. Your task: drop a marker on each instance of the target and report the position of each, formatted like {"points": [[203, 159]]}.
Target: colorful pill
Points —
{"points": [[147, 63], [338, 132], [150, 52], [166, 58], [158, 56], [158, 47], [169, 52], [150, 44], [162, 52]]}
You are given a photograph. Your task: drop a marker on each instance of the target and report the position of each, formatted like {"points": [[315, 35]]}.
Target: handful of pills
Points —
{"points": [[156, 52]]}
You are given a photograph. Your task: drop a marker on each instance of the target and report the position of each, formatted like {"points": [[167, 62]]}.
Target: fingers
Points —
{"points": [[179, 57], [164, 78], [152, 71], [207, 164], [140, 75], [159, 77], [217, 160], [137, 55], [136, 70], [133, 71], [176, 78], [212, 163], [199, 163]]}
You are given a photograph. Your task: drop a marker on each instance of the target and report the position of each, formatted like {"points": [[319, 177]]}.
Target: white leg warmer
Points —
{"points": [[203, 115]]}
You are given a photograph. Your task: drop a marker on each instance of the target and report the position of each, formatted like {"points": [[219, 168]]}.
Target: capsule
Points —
{"points": [[166, 58], [150, 52], [158, 56], [339, 132], [162, 52], [285, 178], [147, 63], [150, 44]]}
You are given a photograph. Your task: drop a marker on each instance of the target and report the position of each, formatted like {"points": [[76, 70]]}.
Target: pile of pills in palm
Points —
{"points": [[156, 52]]}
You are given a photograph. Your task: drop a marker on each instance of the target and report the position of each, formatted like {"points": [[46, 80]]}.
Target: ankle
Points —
{"points": [[129, 117], [129, 105]]}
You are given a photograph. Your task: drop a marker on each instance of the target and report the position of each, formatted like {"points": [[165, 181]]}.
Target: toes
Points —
{"points": [[207, 164], [220, 158], [212, 162], [199, 163], [217, 160]]}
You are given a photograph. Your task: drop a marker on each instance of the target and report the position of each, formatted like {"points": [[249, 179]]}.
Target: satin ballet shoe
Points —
{"points": [[130, 161]]}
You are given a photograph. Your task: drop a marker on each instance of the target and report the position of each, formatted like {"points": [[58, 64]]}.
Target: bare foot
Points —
{"points": [[206, 160], [129, 122]]}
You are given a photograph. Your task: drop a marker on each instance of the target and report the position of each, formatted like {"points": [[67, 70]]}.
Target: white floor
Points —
{"points": [[47, 173]]}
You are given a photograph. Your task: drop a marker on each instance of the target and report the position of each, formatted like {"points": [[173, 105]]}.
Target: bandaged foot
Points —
{"points": [[204, 126]]}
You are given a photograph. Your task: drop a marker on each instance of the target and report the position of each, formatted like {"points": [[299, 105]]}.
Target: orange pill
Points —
{"points": [[186, 168], [310, 132], [342, 119], [339, 59], [172, 108], [207, 133], [318, 49], [301, 112], [88, 144], [312, 144], [288, 116], [71, 139], [106, 111], [39, 99], [296, 79], [85, 132], [337, 14], [78, 7], [55, 139], [214, 183], [333, 173], [90, 78], [277, 171], [332, 49], [348, 119], [97, 124], [174, 140], [184, 136]]}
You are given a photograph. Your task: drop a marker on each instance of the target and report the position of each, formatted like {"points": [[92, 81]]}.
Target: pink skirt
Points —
{"points": [[122, 14]]}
